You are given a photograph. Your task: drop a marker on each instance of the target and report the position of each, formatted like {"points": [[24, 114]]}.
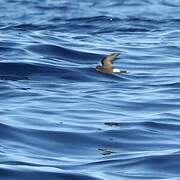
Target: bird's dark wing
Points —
{"points": [[109, 59]]}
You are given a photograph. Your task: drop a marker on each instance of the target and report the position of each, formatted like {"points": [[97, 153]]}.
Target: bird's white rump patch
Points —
{"points": [[116, 70], [119, 71]]}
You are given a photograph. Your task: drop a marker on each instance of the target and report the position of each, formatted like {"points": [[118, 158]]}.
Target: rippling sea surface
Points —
{"points": [[62, 120]]}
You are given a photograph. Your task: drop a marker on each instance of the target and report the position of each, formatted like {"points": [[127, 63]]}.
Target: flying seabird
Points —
{"points": [[107, 64]]}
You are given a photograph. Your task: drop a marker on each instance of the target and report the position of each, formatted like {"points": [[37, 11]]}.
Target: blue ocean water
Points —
{"points": [[62, 120]]}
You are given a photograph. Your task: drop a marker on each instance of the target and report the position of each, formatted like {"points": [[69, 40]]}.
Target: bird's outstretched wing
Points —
{"points": [[109, 59]]}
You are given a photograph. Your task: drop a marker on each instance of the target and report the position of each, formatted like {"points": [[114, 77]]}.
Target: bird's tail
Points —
{"points": [[123, 71]]}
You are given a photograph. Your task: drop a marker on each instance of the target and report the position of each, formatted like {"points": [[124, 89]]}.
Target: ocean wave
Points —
{"points": [[60, 118]]}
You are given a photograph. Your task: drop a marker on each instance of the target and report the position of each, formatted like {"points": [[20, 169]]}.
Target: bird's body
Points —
{"points": [[107, 64], [105, 69]]}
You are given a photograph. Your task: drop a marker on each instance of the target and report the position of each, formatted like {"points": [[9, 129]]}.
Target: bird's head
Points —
{"points": [[98, 68]]}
